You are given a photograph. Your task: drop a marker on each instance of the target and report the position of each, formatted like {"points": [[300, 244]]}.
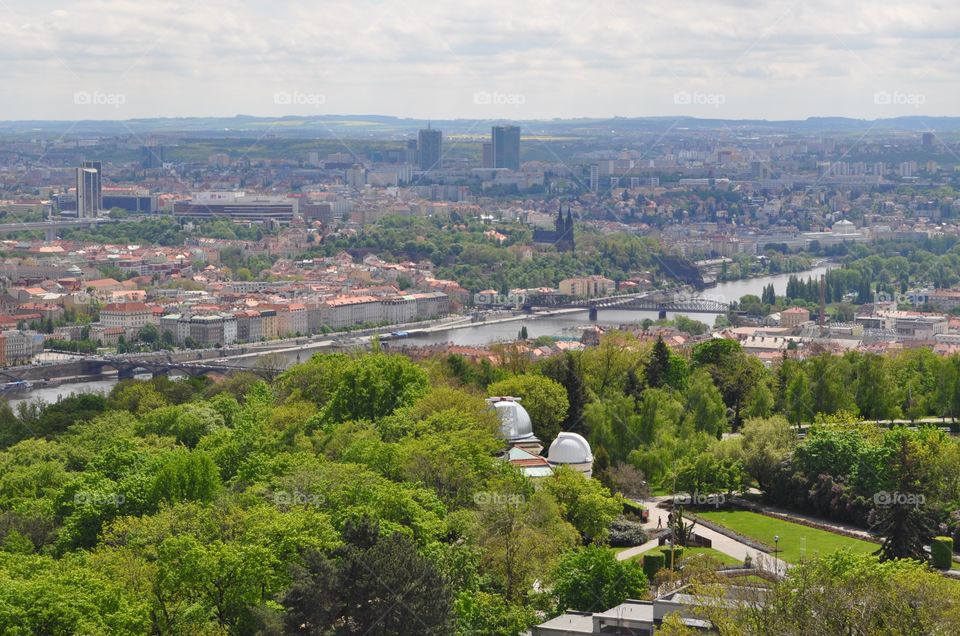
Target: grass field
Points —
{"points": [[796, 541], [723, 559]]}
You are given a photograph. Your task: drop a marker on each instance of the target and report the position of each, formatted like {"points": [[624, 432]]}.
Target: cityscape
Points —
{"points": [[662, 336]]}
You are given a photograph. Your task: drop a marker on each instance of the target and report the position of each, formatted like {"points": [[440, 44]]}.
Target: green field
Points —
{"points": [[723, 559], [796, 541]]}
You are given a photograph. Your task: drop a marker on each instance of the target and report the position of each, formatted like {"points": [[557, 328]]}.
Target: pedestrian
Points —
{"points": [[659, 523]]}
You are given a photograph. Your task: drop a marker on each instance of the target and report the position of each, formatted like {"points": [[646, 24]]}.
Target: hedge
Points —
{"points": [[941, 551], [653, 563]]}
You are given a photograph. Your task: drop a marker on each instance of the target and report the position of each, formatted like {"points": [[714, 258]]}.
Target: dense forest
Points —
{"points": [[363, 493]]}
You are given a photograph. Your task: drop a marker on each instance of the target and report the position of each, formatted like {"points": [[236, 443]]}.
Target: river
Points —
{"points": [[565, 324]]}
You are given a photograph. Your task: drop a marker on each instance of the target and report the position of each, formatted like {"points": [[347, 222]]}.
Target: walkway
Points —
{"points": [[721, 542]]}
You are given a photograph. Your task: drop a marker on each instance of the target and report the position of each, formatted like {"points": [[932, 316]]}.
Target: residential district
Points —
{"points": [[704, 441]]}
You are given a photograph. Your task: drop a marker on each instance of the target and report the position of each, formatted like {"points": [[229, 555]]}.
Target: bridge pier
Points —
{"points": [[592, 314], [50, 234], [662, 314], [125, 373]]}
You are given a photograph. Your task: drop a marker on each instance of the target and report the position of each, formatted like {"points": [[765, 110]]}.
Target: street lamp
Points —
{"points": [[776, 552]]}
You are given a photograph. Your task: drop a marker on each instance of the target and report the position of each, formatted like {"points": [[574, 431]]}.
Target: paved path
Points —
{"points": [[721, 542]]}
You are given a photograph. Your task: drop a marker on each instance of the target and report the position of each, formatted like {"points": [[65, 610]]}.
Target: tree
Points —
{"points": [[520, 533], [371, 585], [149, 334], [614, 425], [875, 392], [523, 333], [591, 579], [705, 410], [798, 402], [374, 386], [568, 371], [544, 399], [584, 502], [186, 476], [766, 444], [658, 368], [853, 594], [901, 519], [733, 371]]}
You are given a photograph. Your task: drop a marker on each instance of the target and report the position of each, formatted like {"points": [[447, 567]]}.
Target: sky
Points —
{"points": [[485, 59]]}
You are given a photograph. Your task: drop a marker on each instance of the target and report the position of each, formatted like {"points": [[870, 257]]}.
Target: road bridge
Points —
{"points": [[659, 302]]}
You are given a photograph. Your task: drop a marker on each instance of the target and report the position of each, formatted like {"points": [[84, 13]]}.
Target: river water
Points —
{"points": [[566, 324]]}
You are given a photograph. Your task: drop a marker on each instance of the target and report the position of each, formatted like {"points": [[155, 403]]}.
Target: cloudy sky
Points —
{"points": [[517, 59]]}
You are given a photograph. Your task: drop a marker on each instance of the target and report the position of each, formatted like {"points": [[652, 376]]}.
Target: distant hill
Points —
{"points": [[386, 127]]}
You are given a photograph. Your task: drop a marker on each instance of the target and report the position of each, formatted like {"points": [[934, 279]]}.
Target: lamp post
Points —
{"points": [[776, 552]]}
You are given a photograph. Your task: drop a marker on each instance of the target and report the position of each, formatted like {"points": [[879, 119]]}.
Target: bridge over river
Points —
{"points": [[661, 302]]}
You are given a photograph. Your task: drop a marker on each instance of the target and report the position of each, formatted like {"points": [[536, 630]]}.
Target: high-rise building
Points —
{"points": [[151, 157], [506, 147], [89, 189], [429, 146], [487, 160], [927, 140]]}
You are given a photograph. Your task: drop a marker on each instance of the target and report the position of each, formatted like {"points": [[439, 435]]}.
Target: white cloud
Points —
{"points": [[568, 57]]}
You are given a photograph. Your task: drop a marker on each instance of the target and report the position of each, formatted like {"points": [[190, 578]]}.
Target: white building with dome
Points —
{"points": [[571, 449], [515, 424]]}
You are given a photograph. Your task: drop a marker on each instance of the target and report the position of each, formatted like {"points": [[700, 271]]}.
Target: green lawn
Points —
{"points": [[723, 559], [796, 541]]}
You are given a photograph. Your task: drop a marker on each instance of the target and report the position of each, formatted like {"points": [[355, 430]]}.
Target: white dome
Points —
{"points": [[515, 424], [570, 448]]}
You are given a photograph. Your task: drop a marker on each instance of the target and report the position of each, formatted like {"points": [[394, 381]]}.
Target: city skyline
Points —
{"points": [[765, 60]]}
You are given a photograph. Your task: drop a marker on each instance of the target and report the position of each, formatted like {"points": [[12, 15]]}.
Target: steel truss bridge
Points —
{"points": [[659, 302]]}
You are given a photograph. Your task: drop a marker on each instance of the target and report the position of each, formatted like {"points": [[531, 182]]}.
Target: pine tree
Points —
{"points": [[902, 521], [658, 369]]}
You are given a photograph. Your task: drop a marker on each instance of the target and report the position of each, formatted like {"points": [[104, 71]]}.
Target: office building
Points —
{"points": [[151, 157], [429, 149], [487, 159], [89, 189], [236, 206], [505, 142]]}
